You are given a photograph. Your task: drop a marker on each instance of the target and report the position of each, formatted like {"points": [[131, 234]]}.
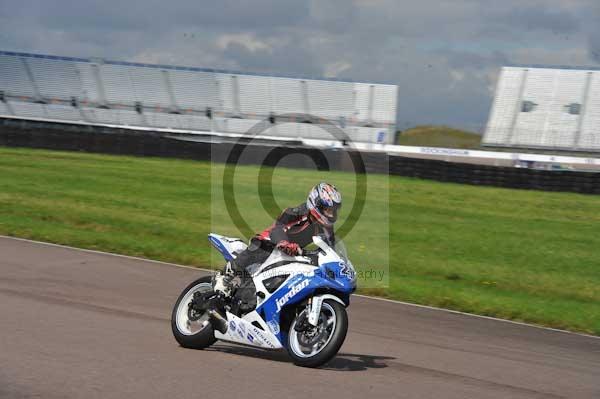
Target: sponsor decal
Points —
{"points": [[274, 326], [291, 293], [242, 329], [259, 333], [262, 337], [232, 325], [250, 338], [443, 151]]}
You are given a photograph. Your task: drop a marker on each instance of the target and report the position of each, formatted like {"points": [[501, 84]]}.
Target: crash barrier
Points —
{"points": [[510, 177], [123, 141]]}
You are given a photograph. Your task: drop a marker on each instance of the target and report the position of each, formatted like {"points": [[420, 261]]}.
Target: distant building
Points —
{"points": [[546, 107], [104, 92]]}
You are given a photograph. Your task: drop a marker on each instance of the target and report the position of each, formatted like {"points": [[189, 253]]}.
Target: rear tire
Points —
{"points": [[190, 333], [334, 339]]}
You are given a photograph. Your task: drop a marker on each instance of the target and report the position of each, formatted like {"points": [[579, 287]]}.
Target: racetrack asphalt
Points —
{"points": [[77, 324]]}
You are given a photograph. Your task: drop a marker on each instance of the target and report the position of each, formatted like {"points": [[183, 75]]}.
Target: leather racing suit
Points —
{"points": [[294, 226]]}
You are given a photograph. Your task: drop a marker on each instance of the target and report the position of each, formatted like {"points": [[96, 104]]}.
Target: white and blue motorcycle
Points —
{"points": [[292, 302]]}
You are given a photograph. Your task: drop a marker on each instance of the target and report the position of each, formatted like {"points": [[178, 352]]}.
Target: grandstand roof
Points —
{"points": [[176, 67], [567, 67]]}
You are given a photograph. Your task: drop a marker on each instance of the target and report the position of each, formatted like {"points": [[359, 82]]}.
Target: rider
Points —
{"points": [[292, 231]]}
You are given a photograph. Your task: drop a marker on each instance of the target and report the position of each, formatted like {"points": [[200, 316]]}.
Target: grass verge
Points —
{"points": [[439, 136], [523, 255]]}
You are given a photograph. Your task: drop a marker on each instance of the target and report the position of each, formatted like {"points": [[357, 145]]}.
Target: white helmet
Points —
{"points": [[323, 202]]}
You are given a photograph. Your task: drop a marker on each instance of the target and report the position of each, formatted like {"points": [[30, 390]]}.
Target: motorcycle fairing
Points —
{"points": [[241, 330], [302, 281], [297, 288], [227, 246]]}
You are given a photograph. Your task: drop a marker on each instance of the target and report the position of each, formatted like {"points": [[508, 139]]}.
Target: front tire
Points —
{"points": [[192, 329], [317, 346]]}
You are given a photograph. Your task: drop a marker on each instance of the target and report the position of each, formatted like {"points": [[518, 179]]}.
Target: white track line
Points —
{"points": [[478, 316], [93, 251], [358, 295]]}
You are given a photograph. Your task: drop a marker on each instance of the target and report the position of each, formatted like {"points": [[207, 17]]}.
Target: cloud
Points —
{"points": [[334, 69], [248, 41], [593, 39], [545, 18], [291, 58]]}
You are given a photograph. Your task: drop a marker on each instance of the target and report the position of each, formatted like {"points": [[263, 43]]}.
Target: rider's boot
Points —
{"points": [[223, 281], [222, 284]]}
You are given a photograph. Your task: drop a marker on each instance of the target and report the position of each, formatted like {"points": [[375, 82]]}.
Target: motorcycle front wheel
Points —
{"points": [[315, 346], [190, 328]]}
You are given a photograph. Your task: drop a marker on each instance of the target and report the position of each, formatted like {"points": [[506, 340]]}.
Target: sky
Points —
{"points": [[444, 55]]}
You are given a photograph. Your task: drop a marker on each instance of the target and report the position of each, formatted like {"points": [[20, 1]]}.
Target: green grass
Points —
{"points": [[439, 136], [524, 255]]}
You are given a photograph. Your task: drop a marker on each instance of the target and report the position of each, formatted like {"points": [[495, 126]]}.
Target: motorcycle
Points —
{"points": [[293, 302]]}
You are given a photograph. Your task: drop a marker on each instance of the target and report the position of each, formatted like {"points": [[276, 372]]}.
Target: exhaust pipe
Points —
{"points": [[218, 322]]}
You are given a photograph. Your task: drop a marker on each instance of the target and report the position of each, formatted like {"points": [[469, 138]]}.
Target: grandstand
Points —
{"points": [[546, 108], [114, 93]]}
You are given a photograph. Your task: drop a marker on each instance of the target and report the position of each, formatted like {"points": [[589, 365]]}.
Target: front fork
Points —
{"points": [[314, 310], [309, 318]]}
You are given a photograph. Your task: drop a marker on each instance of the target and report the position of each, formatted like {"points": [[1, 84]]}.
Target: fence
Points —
{"points": [[115, 141]]}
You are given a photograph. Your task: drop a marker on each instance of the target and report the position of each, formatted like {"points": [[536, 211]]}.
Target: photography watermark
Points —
{"points": [[257, 175], [367, 273]]}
